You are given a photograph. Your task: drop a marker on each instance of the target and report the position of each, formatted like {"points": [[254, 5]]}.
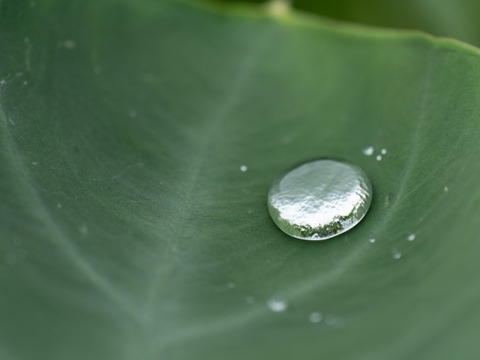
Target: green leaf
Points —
{"points": [[452, 18], [128, 230], [448, 18]]}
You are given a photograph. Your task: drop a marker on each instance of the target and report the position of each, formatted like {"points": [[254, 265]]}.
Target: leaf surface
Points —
{"points": [[128, 230]]}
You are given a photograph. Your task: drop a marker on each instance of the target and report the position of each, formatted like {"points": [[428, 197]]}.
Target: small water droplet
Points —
{"points": [[396, 254], [83, 229], [70, 44], [277, 304], [379, 157], [34, 163], [315, 317], [67, 44], [368, 150], [384, 151], [320, 199], [372, 240], [59, 206], [445, 189], [243, 168], [330, 319], [411, 237], [132, 114], [249, 299], [231, 284], [25, 82]]}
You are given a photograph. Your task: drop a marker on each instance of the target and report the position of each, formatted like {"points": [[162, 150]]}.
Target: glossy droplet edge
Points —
{"points": [[341, 225]]}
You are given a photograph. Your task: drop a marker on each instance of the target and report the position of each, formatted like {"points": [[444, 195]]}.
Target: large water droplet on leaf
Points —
{"points": [[319, 199]]}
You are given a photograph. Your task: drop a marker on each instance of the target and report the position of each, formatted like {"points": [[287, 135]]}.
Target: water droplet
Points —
{"points": [[83, 229], [70, 44], [59, 206], [319, 199], [34, 163], [315, 317], [384, 151], [277, 304], [67, 44], [249, 299], [379, 157], [396, 254], [445, 189], [330, 319], [231, 284], [411, 237], [132, 114], [368, 150], [372, 240], [243, 168]]}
